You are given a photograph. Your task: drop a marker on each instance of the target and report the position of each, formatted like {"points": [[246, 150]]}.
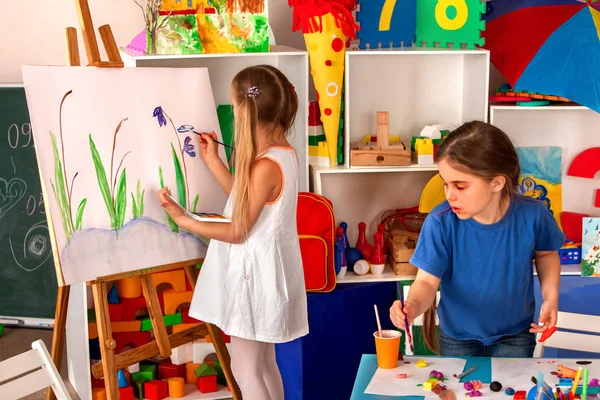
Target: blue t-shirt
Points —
{"points": [[486, 271]]}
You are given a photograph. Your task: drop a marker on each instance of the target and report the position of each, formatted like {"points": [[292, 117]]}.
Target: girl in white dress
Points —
{"points": [[251, 284]]}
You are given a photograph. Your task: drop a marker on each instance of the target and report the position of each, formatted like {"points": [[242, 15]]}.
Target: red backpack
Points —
{"points": [[316, 229]]}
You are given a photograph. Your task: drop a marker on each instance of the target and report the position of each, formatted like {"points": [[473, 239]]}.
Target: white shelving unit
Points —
{"points": [[222, 68], [418, 87]]}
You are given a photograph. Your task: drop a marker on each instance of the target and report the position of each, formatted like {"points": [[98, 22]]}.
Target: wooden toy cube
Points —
{"points": [[155, 390], [126, 393], [176, 387], [430, 383], [99, 393], [129, 287], [167, 369], [207, 384], [173, 299], [175, 278], [190, 376], [115, 311], [520, 395]]}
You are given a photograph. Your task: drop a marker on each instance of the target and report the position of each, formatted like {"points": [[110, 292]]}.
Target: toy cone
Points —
{"points": [[327, 25]]}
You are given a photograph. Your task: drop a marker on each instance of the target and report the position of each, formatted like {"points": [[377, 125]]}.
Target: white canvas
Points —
{"points": [[91, 240]]}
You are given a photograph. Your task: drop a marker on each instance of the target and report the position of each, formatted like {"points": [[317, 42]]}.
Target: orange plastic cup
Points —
{"points": [[387, 348]]}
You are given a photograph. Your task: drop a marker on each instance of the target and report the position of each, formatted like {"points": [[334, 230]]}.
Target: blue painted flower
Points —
{"points": [[188, 147], [530, 188], [185, 128], [158, 113]]}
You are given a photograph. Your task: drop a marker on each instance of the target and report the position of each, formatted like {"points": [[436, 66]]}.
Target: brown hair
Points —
{"points": [[483, 150], [262, 96]]}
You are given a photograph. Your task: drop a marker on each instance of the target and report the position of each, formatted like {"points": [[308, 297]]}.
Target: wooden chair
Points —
{"points": [[30, 372], [579, 341]]}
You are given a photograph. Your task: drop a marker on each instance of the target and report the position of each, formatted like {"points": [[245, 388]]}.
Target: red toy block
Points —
{"points": [[207, 384], [186, 319], [132, 306], [166, 369], [136, 339], [115, 311], [97, 383], [155, 390], [126, 393], [586, 164]]}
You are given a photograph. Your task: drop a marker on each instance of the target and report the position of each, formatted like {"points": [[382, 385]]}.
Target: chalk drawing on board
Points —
{"points": [[10, 193], [107, 141], [13, 164], [35, 246]]}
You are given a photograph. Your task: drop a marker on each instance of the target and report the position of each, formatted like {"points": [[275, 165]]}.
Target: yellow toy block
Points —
{"points": [[421, 364], [320, 150], [129, 288], [190, 376], [424, 146], [175, 278], [430, 383], [126, 326], [92, 330], [182, 327], [174, 299]]}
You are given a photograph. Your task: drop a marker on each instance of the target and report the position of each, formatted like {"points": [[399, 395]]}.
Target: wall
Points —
{"points": [[32, 31]]}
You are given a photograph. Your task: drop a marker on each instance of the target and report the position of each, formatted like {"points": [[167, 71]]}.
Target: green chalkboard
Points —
{"points": [[27, 276]]}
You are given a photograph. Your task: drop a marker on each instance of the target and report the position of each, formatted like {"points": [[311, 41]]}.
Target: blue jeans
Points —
{"points": [[520, 345]]}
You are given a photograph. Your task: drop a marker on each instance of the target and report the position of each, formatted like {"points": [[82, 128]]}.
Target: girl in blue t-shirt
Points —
{"points": [[478, 247]]}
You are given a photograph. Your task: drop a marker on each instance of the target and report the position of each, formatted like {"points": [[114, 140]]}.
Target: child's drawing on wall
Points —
{"points": [[590, 248]]}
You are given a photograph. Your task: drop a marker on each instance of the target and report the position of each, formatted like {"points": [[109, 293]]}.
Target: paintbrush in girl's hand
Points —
{"points": [[216, 141], [408, 335]]}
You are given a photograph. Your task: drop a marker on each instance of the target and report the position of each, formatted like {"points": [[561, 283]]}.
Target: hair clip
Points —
{"points": [[292, 88], [252, 92]]}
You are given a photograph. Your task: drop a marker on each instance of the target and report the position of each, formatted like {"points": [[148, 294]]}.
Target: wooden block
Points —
{"points": [[383, 118], [176, 387], [401, 248], [182, 354], [172, 300], [126, 326], [129, 288], [99, 394], [133, 339], [132, 305], [169, 320], [382, 136], [175, 278], [207, 384], [182, 327], [116, 312], [92, 330], [155, 390], [167, 369], [363, 154], [404, 269], [190, 377]]}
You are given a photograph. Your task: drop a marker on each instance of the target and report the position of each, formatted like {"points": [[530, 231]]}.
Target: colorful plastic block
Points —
{"points": [[92, 330], [129, 288], [190, 377], [183, 327], [430, 383], [182, 354], [91, 315], [383, 23], [138, 387], [121, 379], [155, 390], [175, 278], [99, 393], [172, 300], [450, 21], [147, 372], [176, 387], [186, 317], [421, 364], [134, 368], [132, 305], [424, 146], [169, 320], [205, 370], [167, 369], [126, 326], [126, 393], [207, 384], [520, 395], [115, 311], [113, 297]]}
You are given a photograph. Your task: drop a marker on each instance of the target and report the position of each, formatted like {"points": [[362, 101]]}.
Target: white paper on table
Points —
{"points": [[384, 381]]}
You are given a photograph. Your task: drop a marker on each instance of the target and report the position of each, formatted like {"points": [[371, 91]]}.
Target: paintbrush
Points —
{"points": [[408, 335], [216, 141], [544, 386]]}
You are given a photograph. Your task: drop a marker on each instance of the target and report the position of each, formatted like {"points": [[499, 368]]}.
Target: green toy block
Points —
{"points": [[91, 315], [450, 21], [170, 320], [138, 387], [220, 375], [146, 372], [205, 370], [413, 141]]}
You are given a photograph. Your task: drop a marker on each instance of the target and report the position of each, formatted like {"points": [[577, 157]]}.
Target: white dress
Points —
{"points": [[255, 290]]}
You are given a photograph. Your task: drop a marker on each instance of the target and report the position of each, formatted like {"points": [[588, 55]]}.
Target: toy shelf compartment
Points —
{"points": [[222, 67]]}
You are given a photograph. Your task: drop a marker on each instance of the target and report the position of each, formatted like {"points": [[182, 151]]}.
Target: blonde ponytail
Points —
{"points": [[246, 147]]}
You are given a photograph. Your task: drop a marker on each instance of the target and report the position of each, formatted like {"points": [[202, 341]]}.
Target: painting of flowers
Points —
{"points": [[541, 176], [107, 139], [590, 248]]}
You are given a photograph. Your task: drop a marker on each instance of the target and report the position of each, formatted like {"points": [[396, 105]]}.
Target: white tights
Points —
{"points": [[255, 369]]}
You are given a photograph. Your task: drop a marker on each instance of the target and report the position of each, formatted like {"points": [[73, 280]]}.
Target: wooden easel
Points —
{"points": [[163, 342]]}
